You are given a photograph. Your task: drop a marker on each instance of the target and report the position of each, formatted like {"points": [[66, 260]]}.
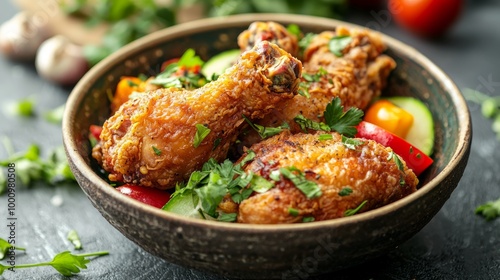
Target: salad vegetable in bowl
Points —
{"points": [[254, 145]]}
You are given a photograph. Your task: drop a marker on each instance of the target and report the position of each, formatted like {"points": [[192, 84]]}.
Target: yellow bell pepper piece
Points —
{"points": [[390, 117]]}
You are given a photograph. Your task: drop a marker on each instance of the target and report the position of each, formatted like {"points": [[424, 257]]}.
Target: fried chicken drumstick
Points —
{"points": [[150, 139], [347, 178], [356, 76]]}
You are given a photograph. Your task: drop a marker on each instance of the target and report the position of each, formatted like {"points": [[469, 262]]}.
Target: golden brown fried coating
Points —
{"points": [[149, 140], [268, 31], [356, 77], [369, 171]]}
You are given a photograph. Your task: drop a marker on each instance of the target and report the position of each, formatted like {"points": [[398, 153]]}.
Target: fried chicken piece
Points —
{"points": [[356, 77], [149, 140], [268, 31], [370, 171]]}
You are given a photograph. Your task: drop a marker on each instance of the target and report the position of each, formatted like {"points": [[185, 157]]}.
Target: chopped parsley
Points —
{"points": [[399, 164], [335, 119], [214, 181], [265, 132], [31, 167], [325, 137], [338, 43], [351, 143], [310, 78], [345, 191], [309, 188], [201, 132], [156, 150], [184, 73], [294, 212], [350, 212], [307, 219], [489, 210]]}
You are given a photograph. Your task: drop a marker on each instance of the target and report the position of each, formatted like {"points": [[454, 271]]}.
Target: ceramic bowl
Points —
{"points": [[266, 251]]}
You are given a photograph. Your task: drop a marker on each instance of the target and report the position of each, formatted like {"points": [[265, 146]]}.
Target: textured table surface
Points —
{"points": [[456, 244]]}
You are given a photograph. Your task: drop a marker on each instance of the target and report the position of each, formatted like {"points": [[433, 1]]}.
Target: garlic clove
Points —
{"points": [[61, 61], [21, 36]]}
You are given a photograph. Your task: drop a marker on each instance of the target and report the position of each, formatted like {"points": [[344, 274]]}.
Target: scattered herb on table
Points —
{"points": [[65, 263], [489, 210], [5, 247], [74, 238], [490, 107], [31, 167]]}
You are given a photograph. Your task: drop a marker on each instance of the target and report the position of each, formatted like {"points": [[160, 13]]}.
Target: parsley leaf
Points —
{"points": [[400, 166], [306, 123], [351, 143], [5, 247], [309, 188], [156, 151], [345, 191], [265, 132], [340, 121], [65, 263], [338, 43], [335, 119], [489, 210], [350, 212], [201, 132], [30, 167]]}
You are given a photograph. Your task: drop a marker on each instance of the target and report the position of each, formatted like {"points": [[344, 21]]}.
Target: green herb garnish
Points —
{"points": [[65, 263], [30, 167], [156, 151], [489, 210], [350, 212], [335, 119], [351, 143], [294, 212], [325, 137], [265, 132], [345, 191], [307, 219], [399, 164], [309, 188], [5, 247], [338, 43], [201, 132]]}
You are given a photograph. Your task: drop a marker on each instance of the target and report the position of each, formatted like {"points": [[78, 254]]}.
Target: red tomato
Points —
{"points": [[95, 130], [150, 196], [414, 158], [428, 18]]}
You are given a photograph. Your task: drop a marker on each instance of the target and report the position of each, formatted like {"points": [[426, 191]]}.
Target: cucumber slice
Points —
{"points": [[183, 204], [220, 62], [421, 133]]}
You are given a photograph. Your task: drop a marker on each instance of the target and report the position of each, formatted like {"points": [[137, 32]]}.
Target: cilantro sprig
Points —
{"points": [[335, 119]]}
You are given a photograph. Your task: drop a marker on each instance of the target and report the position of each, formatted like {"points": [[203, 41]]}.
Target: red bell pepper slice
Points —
{"points": [[414, 158]]}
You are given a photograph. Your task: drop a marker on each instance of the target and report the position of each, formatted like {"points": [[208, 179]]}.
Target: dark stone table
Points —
{"points": [[456, 244]]}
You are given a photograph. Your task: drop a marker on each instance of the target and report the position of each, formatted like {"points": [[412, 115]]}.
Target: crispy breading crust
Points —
{"points": [[369, 171], [149, 140]]}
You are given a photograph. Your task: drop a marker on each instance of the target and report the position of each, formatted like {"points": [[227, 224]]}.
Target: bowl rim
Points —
{"points": [[200, 25]]}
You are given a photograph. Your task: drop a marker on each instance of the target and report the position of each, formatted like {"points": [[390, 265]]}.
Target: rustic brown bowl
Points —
{"points": [[266, 251]]}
